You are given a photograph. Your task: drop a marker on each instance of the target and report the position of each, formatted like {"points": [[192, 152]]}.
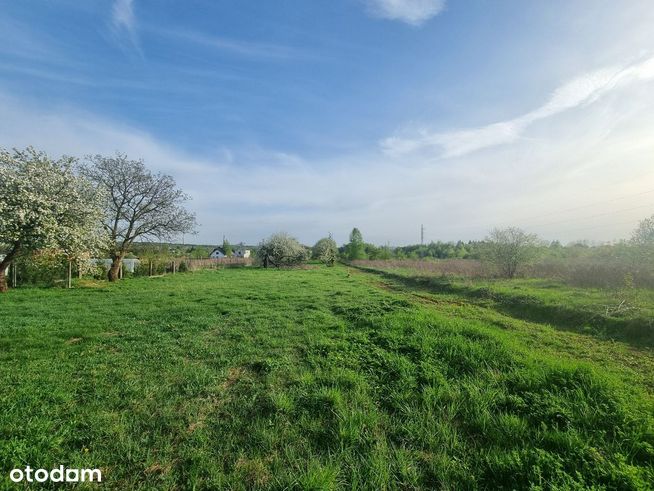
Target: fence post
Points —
{"points": [[14, 276], [70, 273], [150, 267]]}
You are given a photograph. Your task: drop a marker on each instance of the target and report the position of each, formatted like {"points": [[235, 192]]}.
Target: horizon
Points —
{"points": [[376, 114]]}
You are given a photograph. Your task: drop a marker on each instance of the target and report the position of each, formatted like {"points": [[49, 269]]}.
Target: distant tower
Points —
{"points": [[422, 234]]}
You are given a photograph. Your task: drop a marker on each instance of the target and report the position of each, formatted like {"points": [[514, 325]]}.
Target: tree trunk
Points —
{"points": [[114, 270], [4, 264], [3, 279]]}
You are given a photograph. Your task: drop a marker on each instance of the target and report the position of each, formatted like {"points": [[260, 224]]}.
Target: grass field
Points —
{"points": [[324, 378], [625, 314]]}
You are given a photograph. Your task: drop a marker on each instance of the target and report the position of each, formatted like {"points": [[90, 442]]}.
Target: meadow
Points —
{"points": [[327, 378]]}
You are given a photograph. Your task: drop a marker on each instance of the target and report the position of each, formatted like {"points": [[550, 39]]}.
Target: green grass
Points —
{"points": [[314, 379], [625, 314]]}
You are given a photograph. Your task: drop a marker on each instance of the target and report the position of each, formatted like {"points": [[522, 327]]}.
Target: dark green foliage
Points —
{"points": [[313, 379], [356, 248]]}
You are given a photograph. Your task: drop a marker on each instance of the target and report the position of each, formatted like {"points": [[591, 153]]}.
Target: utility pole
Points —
{"points": [[422, 234]]}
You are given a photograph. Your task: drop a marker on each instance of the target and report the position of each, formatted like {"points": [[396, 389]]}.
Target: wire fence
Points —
{"points": [[42, 271]]}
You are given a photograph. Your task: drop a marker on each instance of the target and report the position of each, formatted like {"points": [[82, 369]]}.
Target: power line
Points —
{"points": [[567, 210], [625, 222], [590, 204], [648, 205]]}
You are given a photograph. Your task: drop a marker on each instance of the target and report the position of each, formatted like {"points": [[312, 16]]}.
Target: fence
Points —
{"points": [[35, 271], [195, 264]]}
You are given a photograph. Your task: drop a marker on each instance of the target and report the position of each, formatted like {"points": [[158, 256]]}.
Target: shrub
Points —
{"points": [[510, 249], [325, 251], [281, 250]]}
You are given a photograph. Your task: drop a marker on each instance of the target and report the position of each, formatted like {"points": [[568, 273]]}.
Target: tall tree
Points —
{"points": [[356, 249], [139, 205], [227, 248], [44, 205]]}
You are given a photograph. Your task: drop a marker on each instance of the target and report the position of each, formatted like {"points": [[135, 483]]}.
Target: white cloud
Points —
{"points": [[248, 193], [124, 22], [233, 46], [580, 91], [413, 12]]}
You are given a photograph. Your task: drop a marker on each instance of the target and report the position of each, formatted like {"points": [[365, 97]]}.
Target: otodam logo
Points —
{"points": [[57, 474]]}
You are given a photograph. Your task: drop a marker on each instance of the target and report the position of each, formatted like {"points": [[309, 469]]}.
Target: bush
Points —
{"points": [[281, 250], [325, 251], [510, 249], [41, 268]]}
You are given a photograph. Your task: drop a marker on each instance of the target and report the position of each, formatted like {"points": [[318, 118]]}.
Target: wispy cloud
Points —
{"points": [[580, 91], [233, 46], [265, 191], [413, 12], [123, 22]]}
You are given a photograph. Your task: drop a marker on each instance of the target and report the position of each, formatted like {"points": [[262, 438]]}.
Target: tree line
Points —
{"points": [[72, 209]]}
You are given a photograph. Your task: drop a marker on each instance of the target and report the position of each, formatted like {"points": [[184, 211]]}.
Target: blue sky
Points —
{"points": [[314, 117]]}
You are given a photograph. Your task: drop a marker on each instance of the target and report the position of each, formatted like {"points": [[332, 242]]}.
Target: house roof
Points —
{"points": [[234, 248]]}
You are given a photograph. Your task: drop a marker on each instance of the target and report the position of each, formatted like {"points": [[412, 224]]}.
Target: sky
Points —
{"points": [[317, 117]]}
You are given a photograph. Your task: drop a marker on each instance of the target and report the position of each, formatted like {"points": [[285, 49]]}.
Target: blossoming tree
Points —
{"points": [[44, 204]]}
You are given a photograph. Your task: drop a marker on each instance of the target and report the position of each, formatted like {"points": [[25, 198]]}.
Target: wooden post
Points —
{"points": [[150, 267], [121, 270], [70, 273], [14, 276]]}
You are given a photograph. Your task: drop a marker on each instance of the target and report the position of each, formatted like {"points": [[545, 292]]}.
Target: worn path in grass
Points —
{"points": [[633, 361], [311, 379]]}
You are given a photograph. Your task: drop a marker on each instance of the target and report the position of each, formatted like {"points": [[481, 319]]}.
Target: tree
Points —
{"points": [[227, 247], [281, 250], [199, 252], [356, 247], [325, 251], [511, 248], [643, 239], [644, 234], [139, 205], [44, 205]]}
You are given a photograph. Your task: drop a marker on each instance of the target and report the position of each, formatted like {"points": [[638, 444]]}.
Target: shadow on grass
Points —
{"points": [[636, 330]]}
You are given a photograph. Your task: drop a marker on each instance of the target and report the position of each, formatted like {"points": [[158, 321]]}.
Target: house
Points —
{"points": [[219, 253], [242, 252]]}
